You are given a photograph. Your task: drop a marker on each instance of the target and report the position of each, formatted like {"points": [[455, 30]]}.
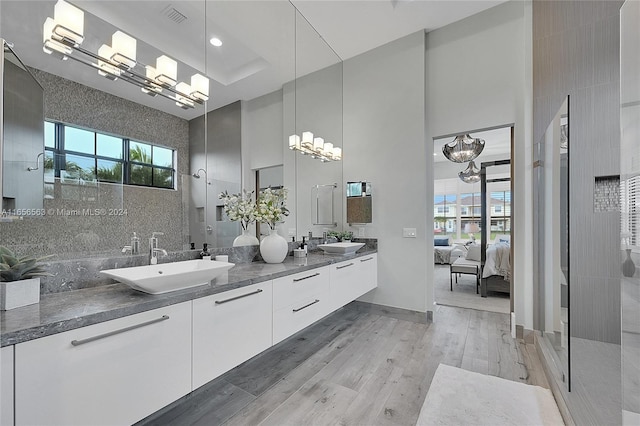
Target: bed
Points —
{"points": [[496, 271], [445, 252]]}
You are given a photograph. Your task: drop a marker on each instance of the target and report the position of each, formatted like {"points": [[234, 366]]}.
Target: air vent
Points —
{"points": [[173, 14]]}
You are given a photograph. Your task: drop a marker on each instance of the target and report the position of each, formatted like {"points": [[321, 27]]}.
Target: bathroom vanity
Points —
{"points": [[112, 355]]}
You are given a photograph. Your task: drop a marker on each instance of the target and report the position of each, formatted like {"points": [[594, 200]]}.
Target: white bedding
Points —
{"points": [[497, 261]]}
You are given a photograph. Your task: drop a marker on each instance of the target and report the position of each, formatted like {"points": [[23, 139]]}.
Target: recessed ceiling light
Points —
{"points": [[216, 42]]}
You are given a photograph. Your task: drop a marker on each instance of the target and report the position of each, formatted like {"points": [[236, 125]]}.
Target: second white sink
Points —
{"points": [[340, 248], [166, 277]]}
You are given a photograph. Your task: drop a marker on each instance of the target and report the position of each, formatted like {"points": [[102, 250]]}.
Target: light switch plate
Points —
{"points": [[292, 232], [361, 232], [408, 232]]}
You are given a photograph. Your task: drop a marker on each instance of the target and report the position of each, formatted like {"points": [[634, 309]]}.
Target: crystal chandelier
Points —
{"points": [[463, 148], [471, 174]]}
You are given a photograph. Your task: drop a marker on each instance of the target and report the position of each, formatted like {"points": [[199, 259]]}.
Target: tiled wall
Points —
{"points": [[128, 208], [606, 194]]}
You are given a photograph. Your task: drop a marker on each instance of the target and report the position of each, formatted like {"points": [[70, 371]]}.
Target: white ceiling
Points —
{"points": [[265, 43]]}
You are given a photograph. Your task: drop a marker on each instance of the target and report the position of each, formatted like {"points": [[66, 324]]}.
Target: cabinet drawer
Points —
{"points": [[295, 317], [299, 287], [115, 372], [229, 328], [351, 279]]}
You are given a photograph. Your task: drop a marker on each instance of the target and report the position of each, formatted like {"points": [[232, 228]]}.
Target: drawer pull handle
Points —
{"points": [[231, 299], [122, 330], [344, 266], [307, 305], [367, 259], [295, 280]]}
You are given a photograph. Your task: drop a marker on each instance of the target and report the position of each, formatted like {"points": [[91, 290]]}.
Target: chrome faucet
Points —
{"points": [[153, 248]]}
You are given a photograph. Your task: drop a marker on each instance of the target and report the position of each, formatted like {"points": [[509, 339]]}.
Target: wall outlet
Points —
{"points": [[408, 232], [360, 232]]}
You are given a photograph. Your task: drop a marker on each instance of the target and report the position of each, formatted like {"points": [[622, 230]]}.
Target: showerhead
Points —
{"points": [[197, 174]]}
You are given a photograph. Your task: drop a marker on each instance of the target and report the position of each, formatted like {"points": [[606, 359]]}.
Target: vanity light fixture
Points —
{"points": [[315, 147], [463, 148], [64, 33], [471, 174]]}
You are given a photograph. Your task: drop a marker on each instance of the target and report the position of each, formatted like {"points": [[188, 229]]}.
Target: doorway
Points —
{"points": [[471, 223]]}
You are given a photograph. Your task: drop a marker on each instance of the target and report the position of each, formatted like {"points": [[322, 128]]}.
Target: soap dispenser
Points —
{"points": [[135, 244], [204, 254]]}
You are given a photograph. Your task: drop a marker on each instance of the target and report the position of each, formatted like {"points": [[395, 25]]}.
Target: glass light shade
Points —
{"points": [[318, 144], [328, 149], [182, 99], [124, 49], [337, 153], [69, 22], [167, 71], [105, 68], [48, 45], [294, 142], [307, 140], [151, 89], [200, 87], [463, 148], [471, 174]]}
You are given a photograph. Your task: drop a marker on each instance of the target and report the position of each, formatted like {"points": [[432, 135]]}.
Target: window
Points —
{"points": [[497, 209], [500, 213], [444, 217], [471, 204], [80, 155]]}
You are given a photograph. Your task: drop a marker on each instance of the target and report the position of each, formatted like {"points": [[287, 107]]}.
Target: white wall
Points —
{"points": [[384, 143], [478, 77]]}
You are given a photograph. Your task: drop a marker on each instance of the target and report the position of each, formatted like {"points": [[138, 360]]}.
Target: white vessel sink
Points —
{"points": [[340, 248], [166, 277]]}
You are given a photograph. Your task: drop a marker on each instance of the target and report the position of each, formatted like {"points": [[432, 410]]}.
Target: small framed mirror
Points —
{"points": [[359, 205]]}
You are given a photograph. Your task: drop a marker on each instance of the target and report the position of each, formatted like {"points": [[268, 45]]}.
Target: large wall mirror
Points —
{"points": [[100, 134], [551, 206], [313, 113]]}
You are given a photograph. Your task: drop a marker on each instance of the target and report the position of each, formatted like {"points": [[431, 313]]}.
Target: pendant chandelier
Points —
{"points": [[471, 174], [64, 33], [463, 148]]}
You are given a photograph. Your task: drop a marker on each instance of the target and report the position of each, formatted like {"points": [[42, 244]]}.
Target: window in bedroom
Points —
{"points": [[444, 215], [500, 213], [471, 204]]}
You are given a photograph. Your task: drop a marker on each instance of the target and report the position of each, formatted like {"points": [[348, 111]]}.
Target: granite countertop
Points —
{"points": [[59, 312]]}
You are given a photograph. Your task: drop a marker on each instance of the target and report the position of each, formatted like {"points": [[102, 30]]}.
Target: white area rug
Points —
{"points": [[461, 397], [464, 293]]}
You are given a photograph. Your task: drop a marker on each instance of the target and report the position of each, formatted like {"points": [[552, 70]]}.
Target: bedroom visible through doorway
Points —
{"points": [[462, 264]]}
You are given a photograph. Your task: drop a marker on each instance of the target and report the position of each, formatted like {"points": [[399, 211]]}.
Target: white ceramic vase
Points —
{"points": [[16, 294], [274, 248], [245, 239]]}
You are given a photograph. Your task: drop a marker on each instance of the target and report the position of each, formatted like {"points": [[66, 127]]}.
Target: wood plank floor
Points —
{"points": [[357, 367]]}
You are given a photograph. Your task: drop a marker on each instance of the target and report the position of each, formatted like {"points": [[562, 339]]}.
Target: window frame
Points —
{"points": [[60, 157]]}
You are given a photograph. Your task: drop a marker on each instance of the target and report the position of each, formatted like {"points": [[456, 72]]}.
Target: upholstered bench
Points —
{"points": [[465, 266]]}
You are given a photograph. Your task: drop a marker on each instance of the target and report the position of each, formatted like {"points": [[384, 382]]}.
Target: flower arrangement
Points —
{"points": [[271, 206], [239, 207]]}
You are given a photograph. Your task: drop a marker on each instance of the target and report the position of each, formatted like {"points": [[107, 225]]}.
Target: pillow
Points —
{"points": [[440, 241], [473, 252], [502, 238]]}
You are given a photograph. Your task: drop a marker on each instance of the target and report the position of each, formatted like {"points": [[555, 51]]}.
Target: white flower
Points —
{"points": [[239, 207]]}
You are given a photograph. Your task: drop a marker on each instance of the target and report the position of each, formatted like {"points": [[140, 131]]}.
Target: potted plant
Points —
{"points": [[19, 279], [241, 208], [271, 208], [342, 236]]}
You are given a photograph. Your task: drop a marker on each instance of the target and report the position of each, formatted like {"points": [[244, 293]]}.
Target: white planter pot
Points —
{"points": [[246, 239], [19, 293], [274, 248]]}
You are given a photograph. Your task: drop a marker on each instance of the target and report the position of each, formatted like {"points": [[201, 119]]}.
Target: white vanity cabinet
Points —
{"points": [[6, 385], [299, 300], [353, 278], [115, 372], [229, 328]]}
